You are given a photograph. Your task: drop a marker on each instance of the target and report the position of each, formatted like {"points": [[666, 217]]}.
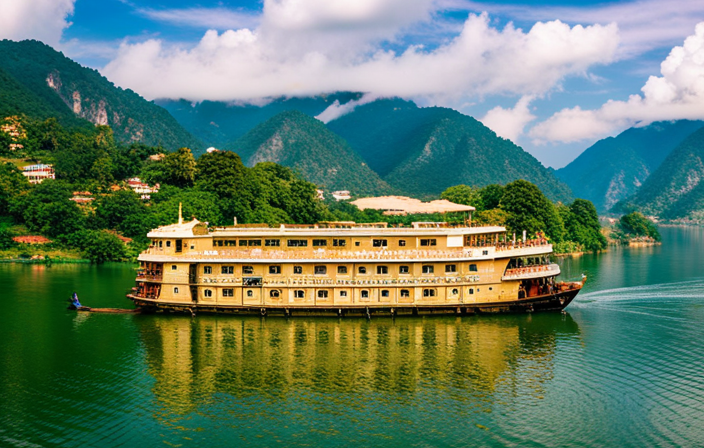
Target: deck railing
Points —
{"points": [[530, 271]]}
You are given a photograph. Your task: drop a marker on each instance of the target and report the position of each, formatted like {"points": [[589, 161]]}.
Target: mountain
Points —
{"points": [[299, 141], [219, 123], [676, 188], [614, 168], [423, 151], [43, 82]]}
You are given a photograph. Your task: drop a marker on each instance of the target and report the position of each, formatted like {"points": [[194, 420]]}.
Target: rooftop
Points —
{"points": [[405, 205]]}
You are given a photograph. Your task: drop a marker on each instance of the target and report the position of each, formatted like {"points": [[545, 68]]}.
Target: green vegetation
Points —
{"points": [[636, 226]]}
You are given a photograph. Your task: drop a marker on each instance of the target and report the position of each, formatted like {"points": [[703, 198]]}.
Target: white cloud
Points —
{"points": [[42, 20], [677, 94], [303, 48], [217, 18], [336, 110], [509, 123]]}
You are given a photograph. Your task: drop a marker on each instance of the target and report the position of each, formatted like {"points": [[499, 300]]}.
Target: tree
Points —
{"points": [[491, 196], [46, 209], [528, 209], [582, 225], [179, 168], [464, 194], [100, 246], [638, 225], [12, 184], [123, 210], [222, 173]]}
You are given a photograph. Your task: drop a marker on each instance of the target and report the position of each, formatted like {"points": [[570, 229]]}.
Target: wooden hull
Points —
{"points": [[549, 302]]}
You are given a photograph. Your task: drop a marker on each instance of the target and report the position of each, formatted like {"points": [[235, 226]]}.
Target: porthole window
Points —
{"points": [[455, 291]]}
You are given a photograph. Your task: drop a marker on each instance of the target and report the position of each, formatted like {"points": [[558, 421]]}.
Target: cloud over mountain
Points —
{"points": [[43, 20]]}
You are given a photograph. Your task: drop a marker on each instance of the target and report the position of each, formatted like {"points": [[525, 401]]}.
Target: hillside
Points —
{"points": [[218, 123], [299, 141], [423, 151], [614, 168], [54, 85], [676, 188]]}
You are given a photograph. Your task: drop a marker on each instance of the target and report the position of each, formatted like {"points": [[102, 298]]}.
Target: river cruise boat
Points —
{"points": [[347, 268]]}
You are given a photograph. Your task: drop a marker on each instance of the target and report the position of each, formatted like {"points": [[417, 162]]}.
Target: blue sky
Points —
{"points": [[553, 76]]}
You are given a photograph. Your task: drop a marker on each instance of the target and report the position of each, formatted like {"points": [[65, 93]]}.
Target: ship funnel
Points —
{"points": [[180, 215]]}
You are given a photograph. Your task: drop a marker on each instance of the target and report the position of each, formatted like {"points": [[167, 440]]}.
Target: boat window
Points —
{"points": [[473, 267], [321, 270], [338, 243], [365, 294], [228, 292], [485, 252], [428, 269], [298, 269], [362, 270], [208, 293], [252, 281], [243, 242], [428, 293], [455, 291], [450, 268], [274, 293], [343, 293], [217, 243], [471, 290], [403, 269], [228, 269], [357, 243], [160, 244], [380, 243], [428, 242], [168, 244], [275, 269], [207, 269], [405, 293], [384, 293], [382, 270], [320, 243], [297, 243], [250, 293], [401, 243], [179, 245], [322, 294], [173, 267], [272, 243], [342, 269], [230, 242], [299, 293], [248, 269], [175, 289]]}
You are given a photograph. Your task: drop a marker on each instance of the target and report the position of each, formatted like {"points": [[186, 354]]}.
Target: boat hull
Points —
{"points": [[548, 302]]}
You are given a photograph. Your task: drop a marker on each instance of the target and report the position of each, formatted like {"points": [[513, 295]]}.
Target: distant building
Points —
{"points": [[37, 173], [157, 157], [142, 189], [211, 149], [341, 195], [82, 197], [321, 194], [12, 126]]}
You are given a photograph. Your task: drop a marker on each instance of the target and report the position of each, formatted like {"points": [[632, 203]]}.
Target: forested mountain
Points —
{"points": [[423, 151], [615, 167], [676, 188], [219, 123], [40, 82], [299, 141]]}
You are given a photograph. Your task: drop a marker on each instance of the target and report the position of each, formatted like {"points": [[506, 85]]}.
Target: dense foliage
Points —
{"points": [[636, 225]]}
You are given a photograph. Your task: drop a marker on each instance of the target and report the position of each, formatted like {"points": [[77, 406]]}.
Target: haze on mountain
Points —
{"points": [[40, 82], [614, 168]]}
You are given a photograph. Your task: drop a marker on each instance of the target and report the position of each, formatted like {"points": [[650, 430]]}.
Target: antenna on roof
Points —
{"points": [[180, 216]]}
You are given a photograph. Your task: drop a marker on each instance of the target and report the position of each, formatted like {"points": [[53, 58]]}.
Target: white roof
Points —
{"points": [[184, 230], [409, 205]]}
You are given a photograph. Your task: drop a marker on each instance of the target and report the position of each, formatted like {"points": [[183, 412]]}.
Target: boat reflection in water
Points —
{"points": [[265, 362]]}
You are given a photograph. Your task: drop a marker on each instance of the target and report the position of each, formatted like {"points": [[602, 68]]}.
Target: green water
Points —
{"points": [[624, 367]]}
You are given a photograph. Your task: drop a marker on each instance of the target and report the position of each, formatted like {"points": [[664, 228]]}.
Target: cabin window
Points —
{"points": [[275, 269], [248, 269], [362, 270], [471, 290], [179, 245], [365, 294], [274, 293], [208, 292], [175, 289], [298, 269], [429, 293], [404, 269], [230, 242], [217, 243], [490, 288], [342, 269], [472, 267], [250, 293], [339, 243], [320, 243], [321, 270], [297, 243], [243, 242], [428, 269], [253, 243], [173, 267], [160, 244], [450, 268], [323, 294], [228, 269], [272, 243], [357, 243], [401, 243], [343, 293], [384, 293], [380, 243], [207, 269], [405, 293], [299, 293], [382, 270], [228, 292], [168, 244], [455, 291], [428, 242], [485, 252]]}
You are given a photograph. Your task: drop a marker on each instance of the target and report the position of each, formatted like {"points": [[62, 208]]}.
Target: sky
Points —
{"points": [[552, 76]]}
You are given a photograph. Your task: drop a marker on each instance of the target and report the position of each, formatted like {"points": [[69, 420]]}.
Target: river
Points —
{"points": [[623, 367]]}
